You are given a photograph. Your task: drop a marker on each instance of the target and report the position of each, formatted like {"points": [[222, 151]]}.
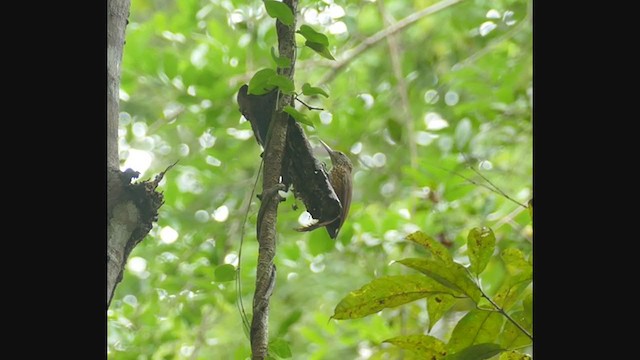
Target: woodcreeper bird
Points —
{"points": [[340, 179]]}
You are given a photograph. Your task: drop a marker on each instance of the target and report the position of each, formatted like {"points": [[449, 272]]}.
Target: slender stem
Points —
{"points": [[501, 311], [374, 39]]}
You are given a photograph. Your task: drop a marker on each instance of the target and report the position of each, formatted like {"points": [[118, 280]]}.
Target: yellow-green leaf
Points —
{"points": [[514, 355], [477, 352], [386, 292], [527, 304], [437, 249], [283, 83], [282, 62], [298, 116], [518, 268], [260, 83], [280, 347], [280, 11], [309, 90], [427, 347], [226, 272], [321, 49], [437, 305], [481, 242], [511, 336], [453, 276], [313, 36], [476, 327]]}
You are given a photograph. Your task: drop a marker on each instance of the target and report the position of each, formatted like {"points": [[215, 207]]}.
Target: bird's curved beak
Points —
{"points": [[329, 150]]}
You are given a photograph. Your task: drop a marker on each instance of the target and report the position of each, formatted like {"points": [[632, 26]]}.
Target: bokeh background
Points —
{"points": [[417, 113]]}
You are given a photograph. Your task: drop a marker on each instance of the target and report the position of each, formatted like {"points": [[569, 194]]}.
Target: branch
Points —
{"points": [[501, 311], [267, 215], [368, 43], [396, 64]]}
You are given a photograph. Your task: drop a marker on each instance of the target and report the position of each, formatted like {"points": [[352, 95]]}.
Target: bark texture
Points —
{"points": [[131, 208], [267, 215]]}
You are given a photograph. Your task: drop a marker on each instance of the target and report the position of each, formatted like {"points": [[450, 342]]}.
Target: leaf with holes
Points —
{"points": [[437, 305], [453, 276], [427, 347], [477, 352], [437, 249], [476, 327], [387, 292], [481, 242]]}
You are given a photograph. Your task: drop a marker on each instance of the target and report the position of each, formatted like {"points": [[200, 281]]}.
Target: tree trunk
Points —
{"points": [[131, 208]]}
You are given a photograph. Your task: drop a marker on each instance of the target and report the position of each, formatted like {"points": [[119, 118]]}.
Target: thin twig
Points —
{"points": [[307, 106], [239, 302], [497, 188], [396, 64], [374, 39], [501, 311]]}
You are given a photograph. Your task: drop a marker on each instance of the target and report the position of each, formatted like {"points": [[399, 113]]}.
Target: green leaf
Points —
{"points": [[509, 294], [298, 116], [426, 346], [313, 36], [309, 90], [481, 243], [320, 243], [477, 352], [226, 272], [280, 11], [322, 50], [511, 336], [291, 319], [260, 83], [282, 62], [476, 327], [453, 276], [518, 268], [280, 347], [395, 130], [386, 292], [527, 304], [283, 83], [437, 249], [514, 355], [438, 305]]}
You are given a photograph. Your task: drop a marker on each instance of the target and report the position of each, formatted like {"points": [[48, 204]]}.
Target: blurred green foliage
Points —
{"points": [[468, 75]]}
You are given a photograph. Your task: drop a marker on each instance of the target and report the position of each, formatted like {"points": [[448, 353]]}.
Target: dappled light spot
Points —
{"points": [[493, 14], [130, 300], [137, 160], [434, 121], [487, 27], [122, 95], [387, 189], [183, 150], [213, 161], [139, 129], [191, 90], [310, 15], [370, 240], [187, 350], [136, 264], [451, 98], [431, 96], [207, 140], [240, 134], [168, 235], [367, 99], [338, 28], [187, 181], [124, 119], [305, 219], [356, 148], [392, 236], [404, 212], [202, 216], [508, 18], [317, 265], [199, 56], [425, 138], [445, 144], [292, 276], [485, 165], [236, 17], [231, 258], [167, 257], [326, 117], [221, 213], [175, 37], [379, 159]]}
